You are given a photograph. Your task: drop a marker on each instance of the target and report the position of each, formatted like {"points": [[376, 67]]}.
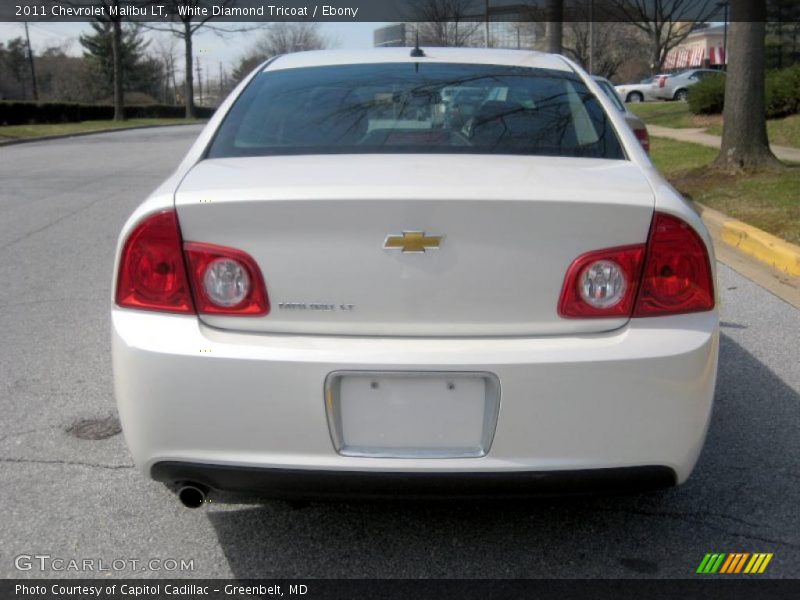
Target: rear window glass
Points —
{"points": [[416, 108], [612, 94]]}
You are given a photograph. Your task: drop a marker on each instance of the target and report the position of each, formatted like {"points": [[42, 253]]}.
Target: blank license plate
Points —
{"points": [[412, 414]]}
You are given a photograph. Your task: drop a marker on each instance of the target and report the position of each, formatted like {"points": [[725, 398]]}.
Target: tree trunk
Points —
{"points": [[116, 50], [188, 90], [744, 133], [555, 26], [658, 64]]}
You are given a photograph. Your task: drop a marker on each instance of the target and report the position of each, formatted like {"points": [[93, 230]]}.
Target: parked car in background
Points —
{"points": [[343, 292], [676, 86], [635, 123], [637, 92]]}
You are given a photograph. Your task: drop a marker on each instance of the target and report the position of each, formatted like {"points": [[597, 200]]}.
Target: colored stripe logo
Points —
{"points": [[734, 563]]}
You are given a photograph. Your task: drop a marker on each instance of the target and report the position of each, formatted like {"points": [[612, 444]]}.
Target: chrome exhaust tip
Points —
{"points": [[192, 495]]}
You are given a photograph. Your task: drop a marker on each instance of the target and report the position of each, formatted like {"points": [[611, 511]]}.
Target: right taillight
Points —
{"points": [[676, 277], [669, 275], [602, 283]]}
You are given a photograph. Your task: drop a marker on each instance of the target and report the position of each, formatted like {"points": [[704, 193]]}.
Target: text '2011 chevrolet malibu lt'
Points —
{"points": [[404, 272]]}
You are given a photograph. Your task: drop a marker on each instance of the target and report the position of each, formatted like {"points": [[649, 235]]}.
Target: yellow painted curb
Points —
{"points": [[759, 244]]}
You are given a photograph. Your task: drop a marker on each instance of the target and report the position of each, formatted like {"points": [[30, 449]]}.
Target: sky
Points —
{"points": [[210, 48]]}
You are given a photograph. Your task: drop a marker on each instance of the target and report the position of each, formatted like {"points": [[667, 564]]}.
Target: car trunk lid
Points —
{"points": [[508, 228]]}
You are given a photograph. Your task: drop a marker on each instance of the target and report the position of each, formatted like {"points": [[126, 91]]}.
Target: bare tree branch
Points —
{"points": [[666, 22], [187, 21], [445, 22]]}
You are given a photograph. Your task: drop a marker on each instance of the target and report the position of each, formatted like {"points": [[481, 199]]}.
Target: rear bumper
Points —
{"points": [[637, 396], [325, 484]]}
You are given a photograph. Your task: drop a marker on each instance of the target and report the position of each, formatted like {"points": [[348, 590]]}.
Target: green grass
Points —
{"points": [[672, 157], [665, 114], [14, 132], [781, 132], [767, 200]]}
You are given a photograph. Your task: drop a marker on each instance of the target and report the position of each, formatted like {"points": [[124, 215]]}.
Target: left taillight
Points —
{"points": [[159, 271], [152, 275]]}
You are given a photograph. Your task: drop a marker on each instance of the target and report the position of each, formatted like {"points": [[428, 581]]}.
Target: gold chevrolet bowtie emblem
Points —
{"points": [[413, 241]]}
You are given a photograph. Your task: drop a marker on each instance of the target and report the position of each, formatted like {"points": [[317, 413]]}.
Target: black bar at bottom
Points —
{"points": [[731, 588], [321, 484]]}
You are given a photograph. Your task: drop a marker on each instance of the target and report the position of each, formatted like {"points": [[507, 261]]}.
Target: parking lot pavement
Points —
{"points": [[62, 204]]}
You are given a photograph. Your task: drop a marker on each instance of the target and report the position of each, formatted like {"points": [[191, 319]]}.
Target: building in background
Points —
{"points": [[702, 48], [392, 36]]}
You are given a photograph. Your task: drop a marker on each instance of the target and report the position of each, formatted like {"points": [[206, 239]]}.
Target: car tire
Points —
{"points": [[682, 95], [635, 97]]}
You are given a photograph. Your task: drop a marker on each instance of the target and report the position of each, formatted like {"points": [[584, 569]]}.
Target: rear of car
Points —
{"points": [[676, 86], [636, 92], [377, 274], [637, 125]]}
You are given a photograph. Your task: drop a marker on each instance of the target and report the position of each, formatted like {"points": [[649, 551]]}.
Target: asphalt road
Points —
{"points": [[62, 204]]}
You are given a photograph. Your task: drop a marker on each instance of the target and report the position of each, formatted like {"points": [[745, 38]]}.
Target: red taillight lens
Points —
{"points": [[662, 81], [152, 275], [677, 273], [225, 281], [672, 275], [602, 283], [644, 138]]}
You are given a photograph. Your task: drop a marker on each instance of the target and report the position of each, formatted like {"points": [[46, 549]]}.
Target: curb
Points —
{"points": [[45, 138], [752, 241]]}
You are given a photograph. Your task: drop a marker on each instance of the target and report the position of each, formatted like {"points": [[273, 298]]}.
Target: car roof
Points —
{"points": [[483, 56]]}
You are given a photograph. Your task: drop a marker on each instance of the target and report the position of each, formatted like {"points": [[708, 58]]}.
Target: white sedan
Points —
{"points": [[350, 286], [637, 92]]}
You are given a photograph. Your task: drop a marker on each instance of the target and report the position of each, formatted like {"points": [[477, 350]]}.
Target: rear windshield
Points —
{"points": [[416, 108], [611, 93]]}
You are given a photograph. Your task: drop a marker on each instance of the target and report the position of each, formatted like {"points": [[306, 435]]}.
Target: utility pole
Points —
{"points": [[199, 70], [724, 6], [221, 82], [30, 62], [486, 25], [591, 37]]}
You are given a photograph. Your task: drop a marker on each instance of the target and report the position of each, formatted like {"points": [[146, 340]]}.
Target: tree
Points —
{"points": [[666, 22], [783, 33], [189, 19], [62, 77], [744, 134], [112, 14], [165, 51], [613, 45], [445, 22], [555, 25], [16, 60], [125, 67], [282, 38]]}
